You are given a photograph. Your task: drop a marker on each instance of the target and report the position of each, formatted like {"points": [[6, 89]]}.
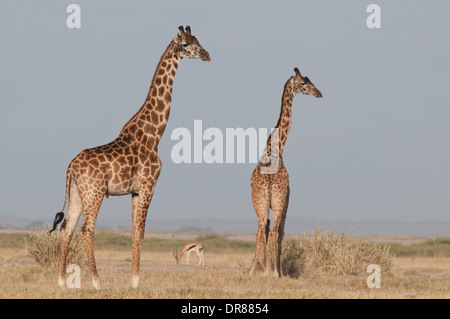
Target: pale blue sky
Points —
{"points": [[376, 147]]}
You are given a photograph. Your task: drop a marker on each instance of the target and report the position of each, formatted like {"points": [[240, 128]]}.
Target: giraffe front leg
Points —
{"points": [[138, 233], [134, 209]]}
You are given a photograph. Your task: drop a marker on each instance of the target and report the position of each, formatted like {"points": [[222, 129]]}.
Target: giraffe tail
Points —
{"points": [[60, 215]]}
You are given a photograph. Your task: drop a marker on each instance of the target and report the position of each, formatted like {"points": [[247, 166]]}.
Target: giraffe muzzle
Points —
{"points": [[205, 56]]}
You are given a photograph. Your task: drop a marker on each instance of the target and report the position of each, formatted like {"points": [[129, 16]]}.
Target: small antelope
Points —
{"points": [[187, 249]]}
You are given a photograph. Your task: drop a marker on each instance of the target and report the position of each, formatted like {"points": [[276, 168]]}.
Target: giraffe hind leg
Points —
{"points": [[261, 204], [267, 236], [257, 249], [73, 215], [91, 209], [262, 236], [279, 218]]}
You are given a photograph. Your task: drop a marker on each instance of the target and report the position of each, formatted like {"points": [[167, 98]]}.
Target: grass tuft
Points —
{"points": [[45, 248], [325, 254], [293, 259]]}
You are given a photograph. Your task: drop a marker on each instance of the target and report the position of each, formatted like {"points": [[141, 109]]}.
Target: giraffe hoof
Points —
{"points": [[135, 282], [96, 284], [62, 282]]}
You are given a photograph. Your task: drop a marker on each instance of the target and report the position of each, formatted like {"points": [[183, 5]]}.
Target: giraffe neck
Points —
{"points": [[284, 121], [152, 117]]}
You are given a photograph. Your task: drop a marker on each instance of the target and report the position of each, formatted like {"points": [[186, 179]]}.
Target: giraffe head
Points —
{"points": [[188, 45], [301, 84]]}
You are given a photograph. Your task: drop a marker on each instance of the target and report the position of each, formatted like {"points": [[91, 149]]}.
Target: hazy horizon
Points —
{"points": [[296, 226]]}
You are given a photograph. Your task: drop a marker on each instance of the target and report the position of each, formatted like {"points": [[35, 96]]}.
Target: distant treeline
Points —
{"points": [[437, 247]]}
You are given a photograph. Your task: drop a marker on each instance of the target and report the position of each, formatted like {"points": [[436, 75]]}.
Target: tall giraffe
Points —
{"points": [[270, 180], [128, 165]]}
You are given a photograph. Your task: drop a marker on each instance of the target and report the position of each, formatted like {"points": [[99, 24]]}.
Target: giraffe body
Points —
{"points": [[270, 189], [128, 165]]}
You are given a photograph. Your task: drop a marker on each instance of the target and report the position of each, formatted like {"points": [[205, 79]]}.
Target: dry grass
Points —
{"points": [[330, 254], [226, 275], [162, 278], [45, 248]]}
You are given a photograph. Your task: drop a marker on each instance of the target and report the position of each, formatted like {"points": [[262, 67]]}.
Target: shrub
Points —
{"points": [[293, 259], [45, 248], [332, 254]]}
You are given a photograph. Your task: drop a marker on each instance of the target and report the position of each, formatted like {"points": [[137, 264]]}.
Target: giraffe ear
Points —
{"points": [[297, 73]]}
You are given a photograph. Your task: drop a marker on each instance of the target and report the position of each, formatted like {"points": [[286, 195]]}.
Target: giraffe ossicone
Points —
{"points": [[128, 165]]}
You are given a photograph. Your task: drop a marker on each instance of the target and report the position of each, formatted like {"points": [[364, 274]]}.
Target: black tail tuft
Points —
{"points": [[58, 218]]}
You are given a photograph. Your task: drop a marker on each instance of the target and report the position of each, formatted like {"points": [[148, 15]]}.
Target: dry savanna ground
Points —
{"points": [[225, 275]]}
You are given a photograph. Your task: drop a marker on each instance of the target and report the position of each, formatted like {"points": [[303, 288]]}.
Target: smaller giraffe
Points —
{"points": [[270, 189]]}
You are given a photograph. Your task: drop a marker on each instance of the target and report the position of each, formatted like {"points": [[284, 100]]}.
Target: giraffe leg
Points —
{"points": [[143, 203], [267, 235], [258, 247], [282, 223], [279, 218], [91, 209], [261, 236], [134, 208], [277, 240], [261, 204], [73, 214]]}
